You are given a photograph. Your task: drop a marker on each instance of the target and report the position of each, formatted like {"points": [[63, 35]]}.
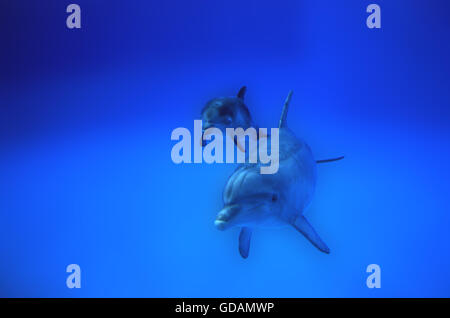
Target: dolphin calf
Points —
{"points": [[255, 200], [227, 112], [231, 112]]}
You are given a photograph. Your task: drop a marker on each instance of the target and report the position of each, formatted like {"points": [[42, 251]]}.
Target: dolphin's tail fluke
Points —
{"points": [[302, 225], [330, 160], [283, 122], [244, 241]]}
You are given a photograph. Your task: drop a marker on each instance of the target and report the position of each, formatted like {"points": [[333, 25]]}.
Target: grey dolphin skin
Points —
{"points": [[255, 200], [227, 112], [231, 112]]}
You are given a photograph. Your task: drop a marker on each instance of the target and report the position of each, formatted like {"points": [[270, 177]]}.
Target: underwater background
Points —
{"points": [[86, 175]]}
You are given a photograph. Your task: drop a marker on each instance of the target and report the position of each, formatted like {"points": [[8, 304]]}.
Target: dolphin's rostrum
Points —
{"points": [[254, 200]]}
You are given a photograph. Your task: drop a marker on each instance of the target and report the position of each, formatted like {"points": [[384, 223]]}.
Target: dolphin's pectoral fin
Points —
{"points": [[302, 225], [244, 241], [330, 160]]}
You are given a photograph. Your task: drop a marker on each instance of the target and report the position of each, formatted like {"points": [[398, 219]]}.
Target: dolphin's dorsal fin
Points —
{"points": [[241, 92], [244, 241], [283, 122]]}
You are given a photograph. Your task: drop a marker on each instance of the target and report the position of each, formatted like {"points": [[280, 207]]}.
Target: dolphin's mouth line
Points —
{"points": [[256, 207], [223, 219], [220, 225]]}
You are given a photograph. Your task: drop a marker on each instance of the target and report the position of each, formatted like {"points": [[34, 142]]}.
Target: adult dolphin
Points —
{"points": [[254, 200]]}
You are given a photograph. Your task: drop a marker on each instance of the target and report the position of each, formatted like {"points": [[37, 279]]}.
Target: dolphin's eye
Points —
{"points": [[228, 120], [274, 197]]}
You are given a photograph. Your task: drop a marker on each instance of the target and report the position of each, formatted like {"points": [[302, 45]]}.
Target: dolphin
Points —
{"points": [[232, 112], [227, 112], [254, 200]]}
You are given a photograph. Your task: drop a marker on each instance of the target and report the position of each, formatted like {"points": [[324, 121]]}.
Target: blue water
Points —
{"points": [[86, 175]]}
